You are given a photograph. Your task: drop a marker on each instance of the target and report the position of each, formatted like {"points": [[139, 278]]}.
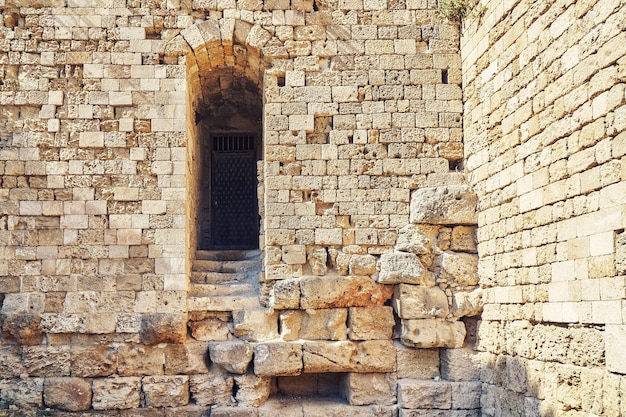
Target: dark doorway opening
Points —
{"points": [[233, 206]]}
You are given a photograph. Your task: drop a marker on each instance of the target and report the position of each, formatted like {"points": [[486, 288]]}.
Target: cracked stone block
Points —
{"points": [[402, 267], [278, 359], [416, 302]]}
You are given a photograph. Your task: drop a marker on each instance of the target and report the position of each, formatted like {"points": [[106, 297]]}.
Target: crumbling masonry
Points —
{"points": [[304, 208]]}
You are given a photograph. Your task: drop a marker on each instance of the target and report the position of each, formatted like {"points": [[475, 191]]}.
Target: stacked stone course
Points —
{"points": [[544, 139], [108, 307]]}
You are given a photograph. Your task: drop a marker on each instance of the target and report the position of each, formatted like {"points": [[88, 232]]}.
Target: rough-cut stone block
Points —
{"points": [[467, 303], [134, 360], [46, 360], [362, 265], [209, 330], [454, 204], [463, 239], [615, 342], [369, 388], [374, 356], [189, 358], [116, 393], [417, 238], [70, 394], [320, 357], [333, 408], [286, 294], [252, 390], [416, 302], [369, 323], [166, 391], [466, 395], [10, 362], [234, 412], [215, 387], [458, 268], [256, 325], [401, 267], [325, 324], [424, 394], [232, 356], [24, 328], [459, 364], [336, 292], [416, 363], [93, 361], [23, 392], [429, 333], [278, 359], [163, 328]]}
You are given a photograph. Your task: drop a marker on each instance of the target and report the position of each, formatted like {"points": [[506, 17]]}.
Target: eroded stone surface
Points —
{"points": [[278, 359], [400, 267], [429, 333], [337, 292], [453, 204], [417, 302], [166, 391], [232, 356], [70, 394]]}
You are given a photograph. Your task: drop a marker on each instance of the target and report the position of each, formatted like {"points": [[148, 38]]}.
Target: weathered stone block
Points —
{"points": [[234, 412], [459, 364], [46, 360], [215, 387], [232, 356], [458, 268], [416, 302], [369, 388], [286, 294], [70, 394], [134, 360], [189, 358], [463, 239], [324, 324], [454, 204], [417, 238], [416, 363], [466, 395], [467, 303], [252, 390], [93, 361], [166, 391], [400, 267], [256, 325], [278, 359], [362, 265], [10, 362], [336, 292], [369, 323], [424, 394], [24, 328], [24, 392], [163, 328], [615, 342], [429, 333], [209, 330], [116, 393], [320, 357]]}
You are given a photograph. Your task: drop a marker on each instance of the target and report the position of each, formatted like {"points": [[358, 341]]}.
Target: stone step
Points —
{"points": [[223, 303], [227, 255], [217, 277], [210, 290], [201, 265]]}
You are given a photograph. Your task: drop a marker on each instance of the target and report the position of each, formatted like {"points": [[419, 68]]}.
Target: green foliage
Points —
{"points": [[457, 10]]}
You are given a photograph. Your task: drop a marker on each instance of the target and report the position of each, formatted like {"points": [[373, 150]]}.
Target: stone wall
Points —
{"points": [[363, 296], [545, 121]]}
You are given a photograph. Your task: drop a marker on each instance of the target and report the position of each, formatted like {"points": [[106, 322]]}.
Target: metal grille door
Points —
{"points": [[234, 207]]}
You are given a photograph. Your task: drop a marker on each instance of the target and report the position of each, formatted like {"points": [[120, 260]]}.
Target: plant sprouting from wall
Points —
{"points": [[457, 10]]}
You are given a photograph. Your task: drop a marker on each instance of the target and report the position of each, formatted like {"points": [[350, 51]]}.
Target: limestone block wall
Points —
{"points": [[363, 292], [544, 137]]}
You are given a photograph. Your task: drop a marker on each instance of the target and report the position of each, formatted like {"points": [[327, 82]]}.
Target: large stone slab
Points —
{"points": [[453, 204], [336, 292], [402, 267], [322, 324], [416, 302], [69, 394], [370, 323], [424, 394], [367, 356], [430, 333], [233, 356], [369, 388], [458, 268], [278, 359], [615, 342]]}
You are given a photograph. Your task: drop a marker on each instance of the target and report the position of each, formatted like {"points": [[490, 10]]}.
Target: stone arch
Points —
{"points": [[225, 72]]}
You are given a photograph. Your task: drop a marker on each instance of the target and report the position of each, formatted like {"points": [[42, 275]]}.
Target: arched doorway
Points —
{"points": [[229, 139]]}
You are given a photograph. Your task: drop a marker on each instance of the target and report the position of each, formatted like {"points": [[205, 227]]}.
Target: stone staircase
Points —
{"points": [[224, 280]]}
